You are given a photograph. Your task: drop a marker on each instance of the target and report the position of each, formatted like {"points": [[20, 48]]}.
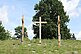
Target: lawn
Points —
{"points": [[46, 47]]}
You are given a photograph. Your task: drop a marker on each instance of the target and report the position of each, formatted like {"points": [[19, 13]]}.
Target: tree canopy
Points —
{"points": [[49, 10], [4, 34], [73, 37], [18, 31]]}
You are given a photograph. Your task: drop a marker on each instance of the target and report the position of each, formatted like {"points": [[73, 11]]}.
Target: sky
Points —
{"points": [[11, 12]]}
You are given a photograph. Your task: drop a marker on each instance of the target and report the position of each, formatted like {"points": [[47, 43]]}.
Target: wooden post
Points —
{"points": [[22, 39], [40, 29], [59, 38]]}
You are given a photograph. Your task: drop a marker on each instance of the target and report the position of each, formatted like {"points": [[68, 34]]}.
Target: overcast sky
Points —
{"points": [[11, 12]]}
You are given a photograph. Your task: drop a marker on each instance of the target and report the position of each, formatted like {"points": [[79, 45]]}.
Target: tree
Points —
{"points": [[18, 31], [4, 34], [49, 10], [73, 37]]}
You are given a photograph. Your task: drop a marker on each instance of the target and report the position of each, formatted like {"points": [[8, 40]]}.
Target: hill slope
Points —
{"points": [[47, 47]]}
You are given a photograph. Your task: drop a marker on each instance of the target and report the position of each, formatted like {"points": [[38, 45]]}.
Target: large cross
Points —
{"points": [[40, 22]]}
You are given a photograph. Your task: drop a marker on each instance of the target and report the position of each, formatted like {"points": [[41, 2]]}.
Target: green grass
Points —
{"points": [[33, 47]]}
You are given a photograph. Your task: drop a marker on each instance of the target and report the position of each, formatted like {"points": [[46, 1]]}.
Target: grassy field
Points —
{"points": [[33, 47]]}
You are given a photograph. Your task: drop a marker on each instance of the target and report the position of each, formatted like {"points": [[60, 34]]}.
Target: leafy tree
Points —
{"points": [[4, 34], [49, 11], [18, 31], [73, 37]]}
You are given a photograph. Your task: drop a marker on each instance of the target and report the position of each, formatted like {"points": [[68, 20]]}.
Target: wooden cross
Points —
{"points": [[22, 29], [40, 22], [59, 36]]}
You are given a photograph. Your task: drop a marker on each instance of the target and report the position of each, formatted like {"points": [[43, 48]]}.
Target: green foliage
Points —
{"points": [[49, 11], [73, 37], [4, 34], [18, 31], [46, 47]]}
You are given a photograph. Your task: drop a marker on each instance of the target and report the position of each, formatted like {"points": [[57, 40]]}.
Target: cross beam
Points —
{"points": [[40, 22]]}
